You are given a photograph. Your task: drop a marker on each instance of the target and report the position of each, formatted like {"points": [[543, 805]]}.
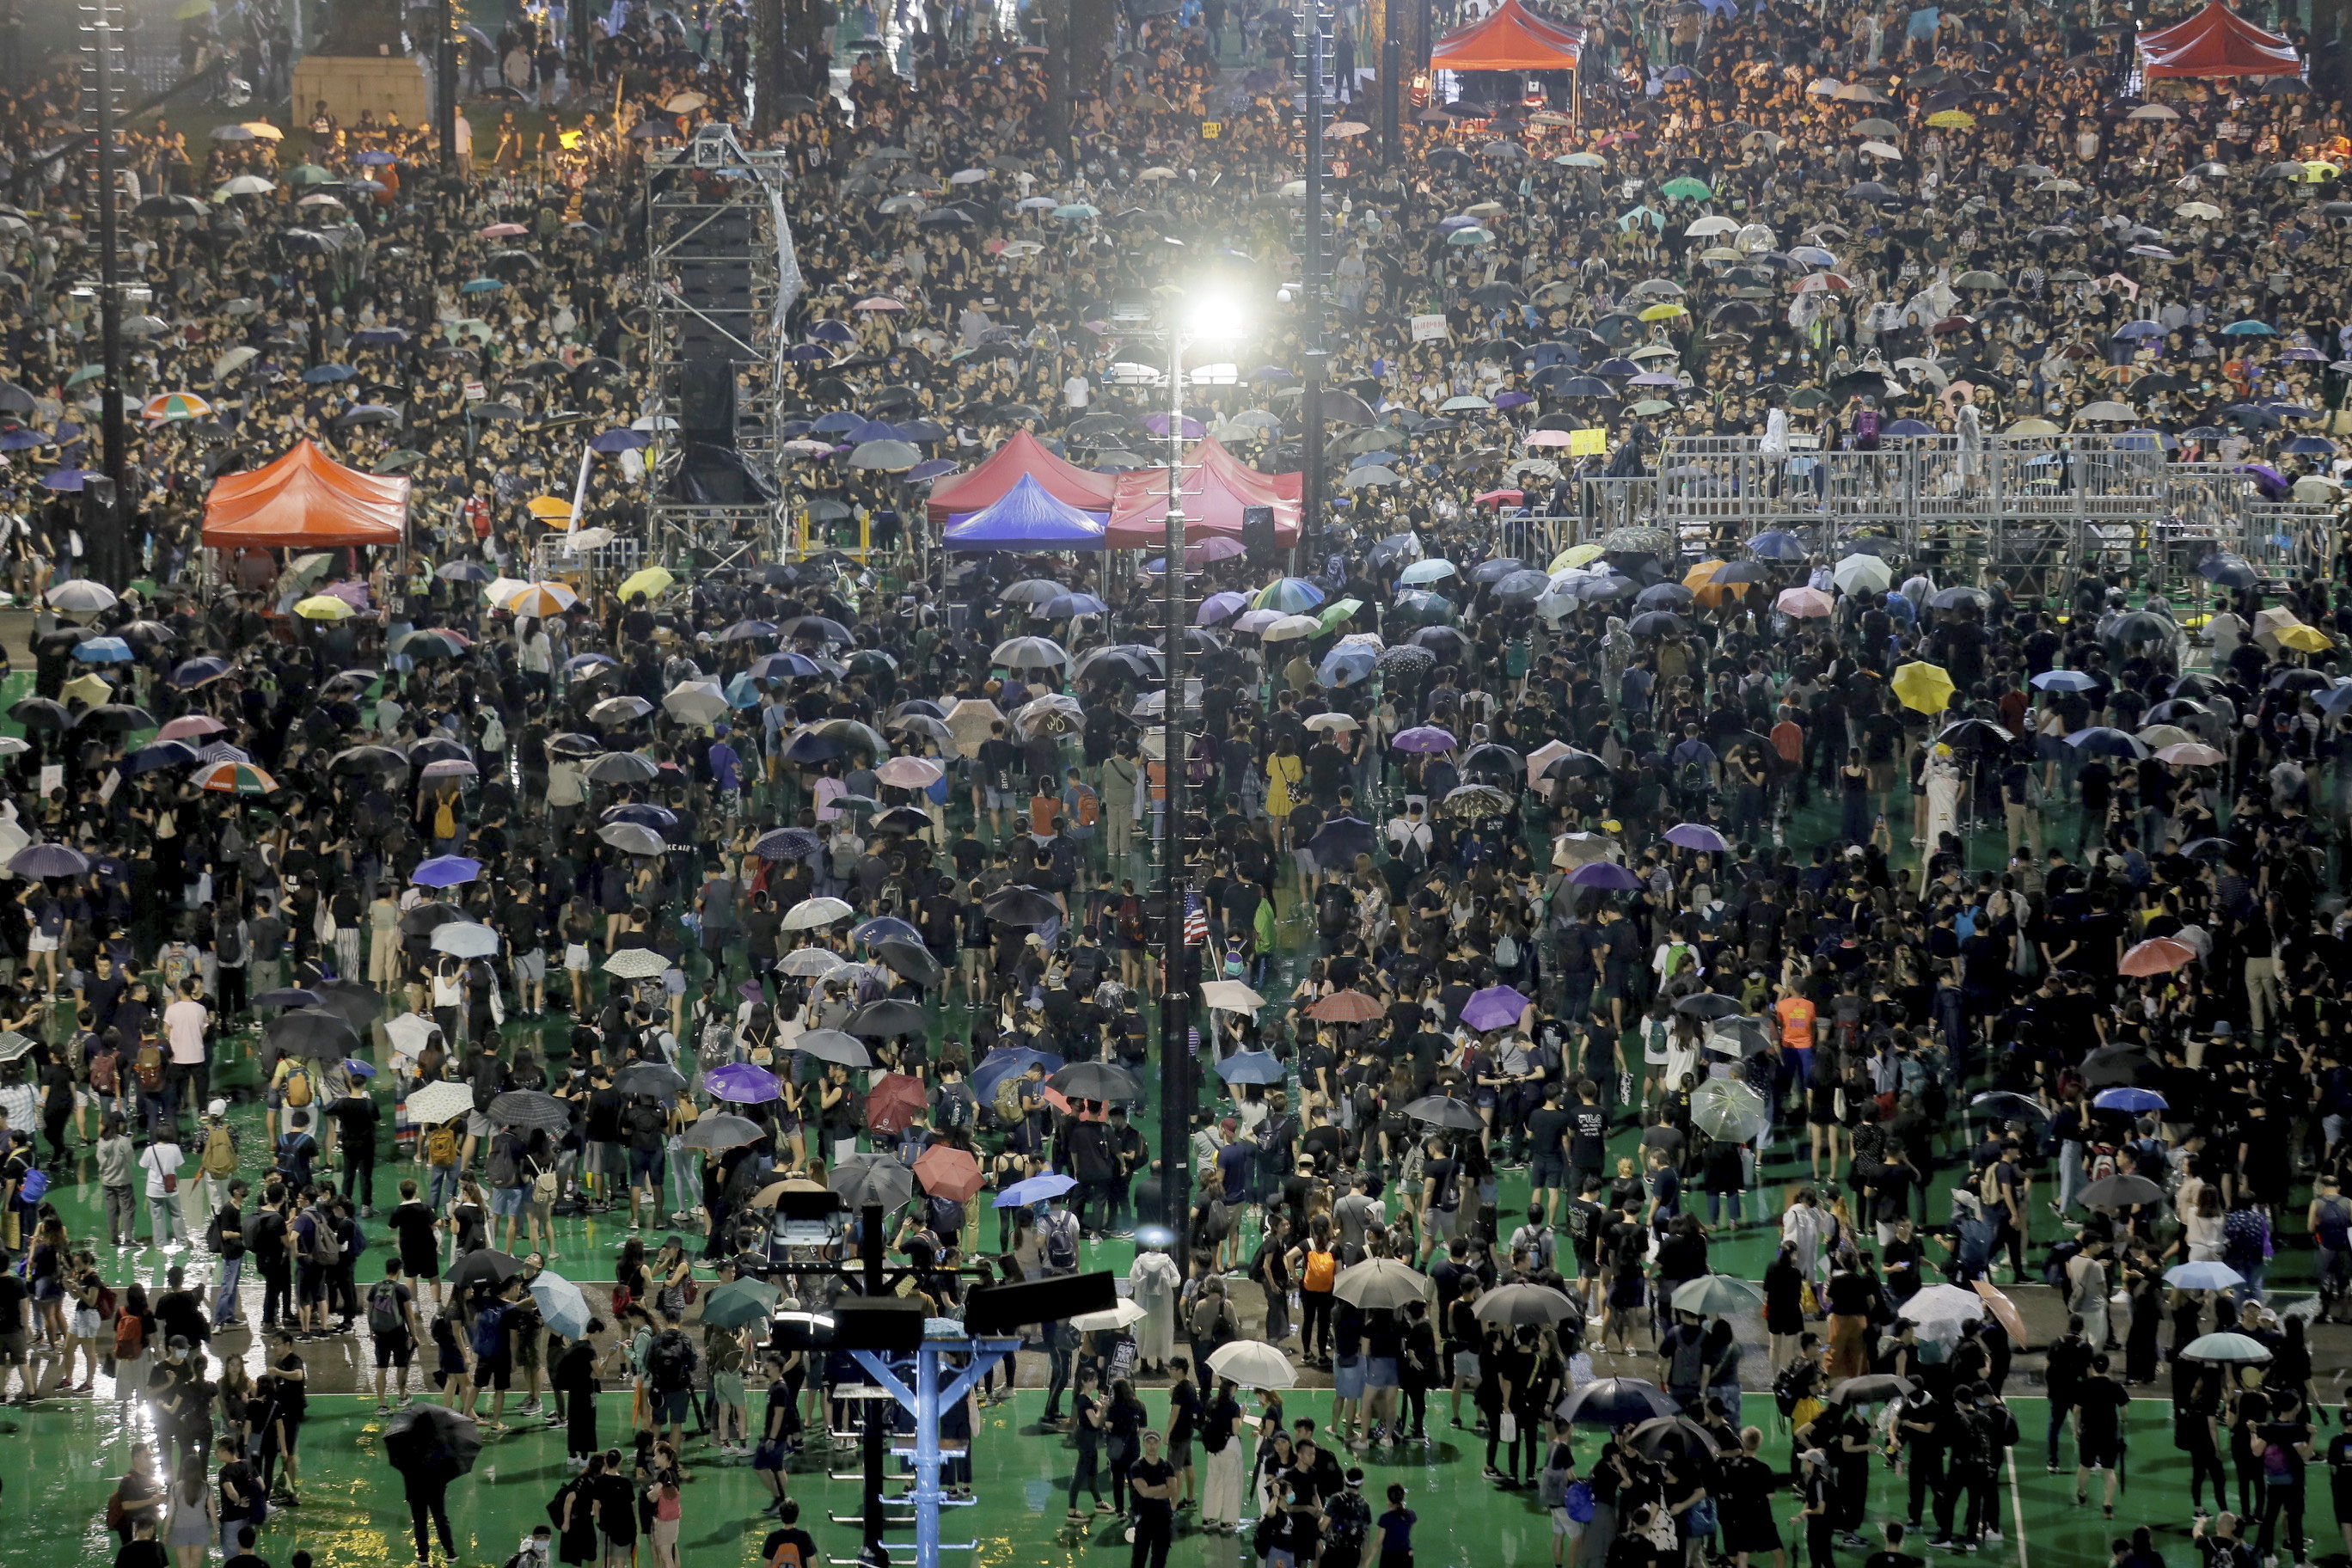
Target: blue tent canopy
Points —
{"points": [[1026, 518]]}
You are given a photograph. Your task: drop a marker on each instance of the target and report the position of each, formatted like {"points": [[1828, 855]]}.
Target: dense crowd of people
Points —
{"points": [[1928, 930]]}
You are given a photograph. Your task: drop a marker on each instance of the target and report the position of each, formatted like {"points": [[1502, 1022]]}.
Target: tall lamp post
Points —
{"points": [[1207, 320]]}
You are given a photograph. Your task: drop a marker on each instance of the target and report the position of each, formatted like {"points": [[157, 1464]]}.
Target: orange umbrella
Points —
{"points": [[2004, 1312], [1345, 1007], [949, 1173], [1700, 575], [2158, 955]]}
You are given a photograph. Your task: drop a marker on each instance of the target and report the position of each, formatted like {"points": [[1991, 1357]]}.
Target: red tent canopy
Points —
{"points": [[1024, 454], [1511, 39], [1215, 486], [306, 500], [2216, 42]]}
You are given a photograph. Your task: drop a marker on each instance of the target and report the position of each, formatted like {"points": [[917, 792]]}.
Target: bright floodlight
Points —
{"points": [[1214, 318]]}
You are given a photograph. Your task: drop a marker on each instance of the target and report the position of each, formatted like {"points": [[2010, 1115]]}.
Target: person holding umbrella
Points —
{"points": [[428, 1447]]}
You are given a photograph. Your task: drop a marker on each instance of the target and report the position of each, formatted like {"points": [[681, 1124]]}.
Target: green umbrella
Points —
{"points": [[85, 376], [1696, 190], [392, 462], [1473, 235], [1422, 610], [307, 175], [739, 1301], [1332, 613], [1650, 405]]}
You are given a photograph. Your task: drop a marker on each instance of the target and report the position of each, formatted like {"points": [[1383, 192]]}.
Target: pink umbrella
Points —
{"points": [[2158, 955], [1803, 603], [2189, 755], [1550, 438], [503, 231], [909, 773], [191, 727], [879, 302]]}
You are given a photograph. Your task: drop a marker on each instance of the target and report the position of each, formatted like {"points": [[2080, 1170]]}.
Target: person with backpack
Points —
{"points": [[1058, 1237], [217, 1155], [439, 1148], [295, 1151], [162, 1160], [2329, 1220], [316, 1253], [393, 1324], [670, 1363]]}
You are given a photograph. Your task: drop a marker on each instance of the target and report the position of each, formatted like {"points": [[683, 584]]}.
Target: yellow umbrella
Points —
{"points": [[1576, 555], [1700, 575], [90, 689], [323, 607], [541, 599], [2304, 639], [2317, 169], [1953, 119], [652, 582], [552, 508], [1923, 688], [1665, 312]]}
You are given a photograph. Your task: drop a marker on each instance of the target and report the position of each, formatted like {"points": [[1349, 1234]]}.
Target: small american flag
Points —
{"points": [[1196, 920]]}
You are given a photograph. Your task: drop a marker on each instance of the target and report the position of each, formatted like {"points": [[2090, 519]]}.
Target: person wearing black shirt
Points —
{"points": [[1547, 1153], [788, 1545], [1185, 1416], [2282, 1447], [1152, 1479], [2099, 1437]]}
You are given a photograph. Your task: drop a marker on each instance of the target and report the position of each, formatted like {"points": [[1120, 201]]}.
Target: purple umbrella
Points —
{"points": [[741, 1083], [1158, 424], [1511, 399], [1696, 836], [1607, 875], [1219, 606], [1425, 738], [1496, 1007]]}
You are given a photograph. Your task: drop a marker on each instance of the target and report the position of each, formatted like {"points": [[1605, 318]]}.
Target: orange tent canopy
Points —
{"points": [[2216, 42], [1215, 486], [304, 500], [1022, 453], [1510, 39]]}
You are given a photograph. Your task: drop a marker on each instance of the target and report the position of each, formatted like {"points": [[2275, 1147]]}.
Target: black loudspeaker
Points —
{"points": [[708, 415], [1257, 534], [890, 1323], [1003, 1308]]}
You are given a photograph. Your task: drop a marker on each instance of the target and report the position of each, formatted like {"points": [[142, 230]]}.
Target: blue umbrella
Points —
{"points": [[1252, 1066], [103, 650], [1221, 606], [357, 1067], [1062, 607], [21, 439], [1346, 666], [2335, 699], [1432, 570], [373, 159], [1605, 874], [786, 844], [192, 673], [2203, 1277], [742, 692], [475, 572], [562, 1307], [48, 860], [2131, 1100], [63, 480], [1035, 1190], [1776, 544], [2063, 680], [622, 440], [2228, 571], [882, 927], [444, 871], [319, 374], [2141, 329], [480, 285], [2101, 740], [161, 754], [783, 667], [1005, 1061]]}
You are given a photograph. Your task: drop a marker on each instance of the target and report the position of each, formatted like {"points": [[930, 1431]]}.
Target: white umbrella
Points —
{"points": [[808, 962], [433, 1103], [1120, 1314], [464, 939], [1863, 574], [636, 963], [1382, 1282], [81, 595], [1291, 626], [697, 701], [811, 913], [1231, 996], [408, 1034], [1254, 1364], [1943, 1303]]}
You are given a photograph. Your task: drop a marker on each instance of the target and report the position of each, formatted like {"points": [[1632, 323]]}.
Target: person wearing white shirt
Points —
{"points": [[1076, 392], [162, 1160]]}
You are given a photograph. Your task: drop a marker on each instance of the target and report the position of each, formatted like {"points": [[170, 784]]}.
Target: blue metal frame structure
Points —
{"points": [[925, 1400]]}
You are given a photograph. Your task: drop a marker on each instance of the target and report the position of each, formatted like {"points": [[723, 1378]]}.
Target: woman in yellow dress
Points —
{"points": [[1284, 771]]}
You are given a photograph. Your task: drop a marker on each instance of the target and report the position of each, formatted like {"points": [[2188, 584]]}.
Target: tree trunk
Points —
{"points": [[769, 65], [1090, 38], [1057, 18]]}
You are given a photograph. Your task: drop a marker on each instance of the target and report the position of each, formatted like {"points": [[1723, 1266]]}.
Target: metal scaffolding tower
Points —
{"points": [[721, 274]]}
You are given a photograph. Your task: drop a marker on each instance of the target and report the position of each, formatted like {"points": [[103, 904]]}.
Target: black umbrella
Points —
{"points": [[862, 1180], [529, 1107], [1444, 1110], [357, 1004], [833, 1046], [2122, 1191], [429, 917], [1708, 1004], [313, 1033], [432, 1442], [1340, 840], [880, 1020], [651, 1079], [1021, 905], [910, 960], [482, 1264], [1096, 1080], [717, 1132]]}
